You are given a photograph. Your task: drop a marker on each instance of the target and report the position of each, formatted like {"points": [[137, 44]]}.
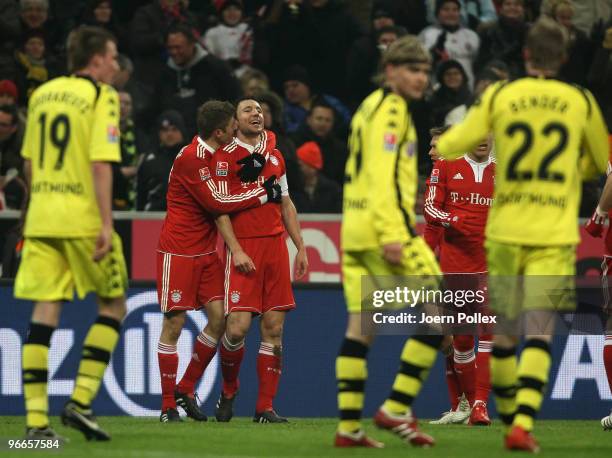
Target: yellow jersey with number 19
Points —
{"points": [[72, 122], [381, 174], [543, 129]]}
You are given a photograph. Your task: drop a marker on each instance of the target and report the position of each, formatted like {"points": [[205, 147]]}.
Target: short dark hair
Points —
{"points": [[182, 29], [10, 109], [436, 131], [213, 115], [244, 98], [547, 44], [84, 43], [321, 103]]}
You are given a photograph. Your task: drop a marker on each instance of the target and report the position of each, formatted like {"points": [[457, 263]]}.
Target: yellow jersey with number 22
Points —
{"points": [[544, 130]]}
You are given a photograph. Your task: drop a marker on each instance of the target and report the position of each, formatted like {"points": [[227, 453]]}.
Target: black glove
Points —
{"points": [[252, 165], [273, 191]]}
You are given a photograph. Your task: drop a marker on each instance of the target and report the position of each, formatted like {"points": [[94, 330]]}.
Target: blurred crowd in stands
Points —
{"points": [[309, 63]]}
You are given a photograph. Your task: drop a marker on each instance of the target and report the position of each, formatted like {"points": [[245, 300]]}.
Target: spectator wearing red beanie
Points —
{"points": [[320, 194], [8, 92]]}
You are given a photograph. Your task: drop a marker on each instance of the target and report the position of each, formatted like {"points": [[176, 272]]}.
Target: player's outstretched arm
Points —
{"points": [[103, 184], [213, 196], [241, 260], [292, 225], [469, 133]]}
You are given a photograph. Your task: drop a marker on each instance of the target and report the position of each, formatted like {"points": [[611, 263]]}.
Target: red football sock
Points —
{"points": [[167, 358], [483, 373], [231, 358], [465, 365], [607, 357], [452, 382], [204, 350], [268, 373]]}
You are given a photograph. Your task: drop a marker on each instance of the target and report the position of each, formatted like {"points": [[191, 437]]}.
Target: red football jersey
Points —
{"points": [[193, 201], [457, 188], [259, 221]]}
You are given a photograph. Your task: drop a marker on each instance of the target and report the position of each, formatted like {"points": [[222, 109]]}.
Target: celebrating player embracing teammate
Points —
{"points": [[189, 272], [257, 275]]}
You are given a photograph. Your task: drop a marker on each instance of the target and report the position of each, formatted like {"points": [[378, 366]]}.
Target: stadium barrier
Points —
{"points": [[577, 389], [140, 232]]}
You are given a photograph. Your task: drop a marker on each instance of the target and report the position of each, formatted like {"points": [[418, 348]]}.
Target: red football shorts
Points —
{"points": [[269, 286], [188, 282]]}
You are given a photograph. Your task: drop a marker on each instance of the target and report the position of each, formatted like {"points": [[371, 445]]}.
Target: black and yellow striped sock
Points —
{"points": [[35, 375], [533, 370], [418, 355], [97, 349], [351, 374], [503, 382]]}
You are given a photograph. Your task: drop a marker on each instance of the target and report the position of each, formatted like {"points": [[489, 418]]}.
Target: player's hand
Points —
{"points": [[465, 224], [252, 165], [392, 252], [103, 243], [273, 190], [301, 264], [243, 262], [595, 225]]}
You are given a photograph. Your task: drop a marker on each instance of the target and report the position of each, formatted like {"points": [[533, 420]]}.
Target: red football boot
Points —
{"points": [[521, 440], [479, 415], [405, 426], [356, 439]]}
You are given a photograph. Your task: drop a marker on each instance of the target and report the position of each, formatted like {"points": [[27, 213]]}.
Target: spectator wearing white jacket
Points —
{"points": [[473, 12], [232, 39], [448, 39]]}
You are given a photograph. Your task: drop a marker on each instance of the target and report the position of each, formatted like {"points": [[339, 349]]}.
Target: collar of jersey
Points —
{"points": [[248, 147], [208, 148], [479, 164]]}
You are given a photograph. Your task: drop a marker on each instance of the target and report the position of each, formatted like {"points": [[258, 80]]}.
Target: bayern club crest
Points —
{"points": [[274, 160], [235, 297], [176, 295]]}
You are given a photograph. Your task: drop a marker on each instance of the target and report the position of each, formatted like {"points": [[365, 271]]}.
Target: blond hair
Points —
{"points": [[547, 44], [406, 50]]}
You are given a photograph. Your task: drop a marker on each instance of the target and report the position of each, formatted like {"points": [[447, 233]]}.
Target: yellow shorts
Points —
{"points": [[523, 278], [51, 269], [418, 260]]}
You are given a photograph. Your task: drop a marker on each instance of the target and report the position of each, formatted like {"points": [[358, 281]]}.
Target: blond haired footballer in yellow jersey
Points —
{"points": [[378, 238], [72, 136], [544, 129]]}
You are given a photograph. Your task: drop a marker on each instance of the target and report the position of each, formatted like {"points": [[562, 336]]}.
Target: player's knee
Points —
{"points": [[173, 325], [215, 328], [273, 331], [463, 343], [235, 333]]}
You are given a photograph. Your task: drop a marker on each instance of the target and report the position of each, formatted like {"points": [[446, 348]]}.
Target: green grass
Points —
{"points": [[146, 437]]}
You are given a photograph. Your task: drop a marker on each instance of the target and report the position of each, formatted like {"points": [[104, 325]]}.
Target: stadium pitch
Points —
{"points": [[304, 437]]}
